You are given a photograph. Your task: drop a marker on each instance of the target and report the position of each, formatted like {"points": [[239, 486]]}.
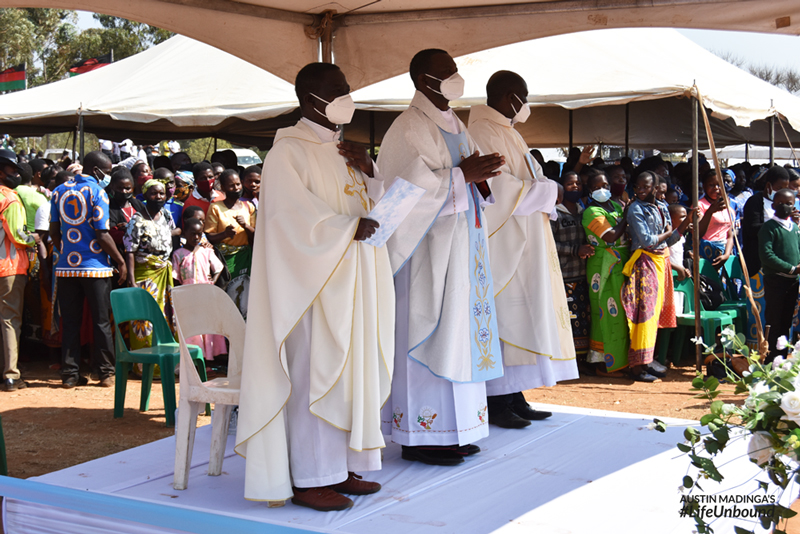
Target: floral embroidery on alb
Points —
{"points": [[397, 417], [482, 414]]}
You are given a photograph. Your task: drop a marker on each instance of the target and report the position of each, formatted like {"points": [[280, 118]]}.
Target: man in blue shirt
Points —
{"points": [[79, 214]]}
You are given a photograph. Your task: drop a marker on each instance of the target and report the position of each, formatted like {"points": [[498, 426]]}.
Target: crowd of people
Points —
{"points": [[76, 231], [623, 232], [507, 273]]}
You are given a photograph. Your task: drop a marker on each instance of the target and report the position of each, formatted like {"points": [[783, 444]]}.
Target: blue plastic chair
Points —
{"points": [[136, 304]]}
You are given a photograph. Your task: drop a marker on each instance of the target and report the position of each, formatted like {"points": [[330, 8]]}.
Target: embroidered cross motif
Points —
{"points": [[356, 188]]}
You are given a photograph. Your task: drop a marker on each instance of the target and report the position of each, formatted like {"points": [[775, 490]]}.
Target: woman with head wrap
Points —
{"points": [[148, 245], [184, 184]]}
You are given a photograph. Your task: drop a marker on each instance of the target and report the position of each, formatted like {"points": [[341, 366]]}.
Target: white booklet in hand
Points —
{"points": [[393, 208]]}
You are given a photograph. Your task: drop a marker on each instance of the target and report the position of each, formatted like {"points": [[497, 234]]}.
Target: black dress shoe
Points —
{"points": [[506, 418], [644, 376], [653, 371], [74, 381], [467, 450], [13, 384], [432, 455], [521, 407]]}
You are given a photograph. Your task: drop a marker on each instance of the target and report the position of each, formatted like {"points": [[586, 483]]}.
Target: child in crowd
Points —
{"points": [[251, 183], [716, 224], [779, 238], [195, 264], [671, 197], [678, 213]]}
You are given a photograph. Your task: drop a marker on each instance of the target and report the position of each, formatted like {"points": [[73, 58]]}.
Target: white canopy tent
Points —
{"points": [[218, 94], [181, 88], [753, 153], [374, 40], [651, 69]]}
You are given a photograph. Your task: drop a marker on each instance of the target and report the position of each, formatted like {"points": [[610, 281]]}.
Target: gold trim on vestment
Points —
{"points": [[537, 353]]}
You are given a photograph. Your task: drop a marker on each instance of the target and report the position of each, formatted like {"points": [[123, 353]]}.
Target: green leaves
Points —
{"points": [[688, 482], [707, 466]]}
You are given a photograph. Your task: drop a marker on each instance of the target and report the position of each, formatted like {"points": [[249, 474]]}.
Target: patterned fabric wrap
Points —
{"points": [[155, 276], [711, 250], [648, 302], [757, 285], [609, 328]]}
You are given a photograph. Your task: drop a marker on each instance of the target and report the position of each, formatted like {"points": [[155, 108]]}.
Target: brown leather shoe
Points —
{"points": [[354, 485], [321, 499]]}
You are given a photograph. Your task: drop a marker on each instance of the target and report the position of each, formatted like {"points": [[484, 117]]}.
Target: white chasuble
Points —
{"points": [[532, 311], [305, 259], [438, 398]]}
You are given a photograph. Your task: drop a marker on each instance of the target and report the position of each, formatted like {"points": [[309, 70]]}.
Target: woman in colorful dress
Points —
{"points": [[647, 294], [604, 222], [148, 245], [230, 224]]}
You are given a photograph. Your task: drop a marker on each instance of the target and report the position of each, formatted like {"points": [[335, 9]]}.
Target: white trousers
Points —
{"points": [[517, 378], [318, 452], [424, 409]]}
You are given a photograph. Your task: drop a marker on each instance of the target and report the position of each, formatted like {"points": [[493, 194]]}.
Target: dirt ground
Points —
{"points": [[48, 428]]}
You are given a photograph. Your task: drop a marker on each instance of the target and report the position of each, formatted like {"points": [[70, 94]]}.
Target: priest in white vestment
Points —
{"points": [[447, 344], [532, 312], [319, 345]]}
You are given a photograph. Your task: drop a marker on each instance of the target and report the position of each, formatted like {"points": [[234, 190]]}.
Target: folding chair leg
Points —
{"points": [[219, 437], [184, 442], [120, 387], [147, 383], [168, 387]]}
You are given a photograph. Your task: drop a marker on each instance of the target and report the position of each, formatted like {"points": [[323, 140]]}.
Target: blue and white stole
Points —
{"points": [[484, 336]]}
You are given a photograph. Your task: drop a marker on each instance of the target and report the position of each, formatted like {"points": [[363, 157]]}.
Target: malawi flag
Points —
{"points": [[91, 64], [13, 78]]}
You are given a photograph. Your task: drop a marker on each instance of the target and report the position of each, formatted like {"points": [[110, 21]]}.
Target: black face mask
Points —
{"points": [[573, 196], [13, 180], [783, 211], [234, 194], [123, 197], [155, 205]]}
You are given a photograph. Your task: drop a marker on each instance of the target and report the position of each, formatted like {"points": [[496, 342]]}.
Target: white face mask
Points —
{"points": [[523, 113], [451, 88], [601, 195], [339, 111]]}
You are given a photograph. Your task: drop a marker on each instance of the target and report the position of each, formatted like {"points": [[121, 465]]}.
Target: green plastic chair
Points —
{"points": [[136, 304], [3, 460], [710, 321], [735, 307]]}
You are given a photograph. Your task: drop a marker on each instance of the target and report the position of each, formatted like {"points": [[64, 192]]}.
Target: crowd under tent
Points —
{"points": [[374, 40]]}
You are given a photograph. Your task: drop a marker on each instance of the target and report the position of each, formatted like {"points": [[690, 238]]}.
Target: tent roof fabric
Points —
{"points": [[215, 93], [181, 86], [375, 40]]}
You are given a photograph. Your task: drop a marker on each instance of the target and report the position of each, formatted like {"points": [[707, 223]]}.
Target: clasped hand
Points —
{"points": [[477, 168]]}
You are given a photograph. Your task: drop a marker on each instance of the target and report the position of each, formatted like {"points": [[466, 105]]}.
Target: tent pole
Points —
{"points": [[80, 131], [372, 133], [627, 129], [772, 140], [215, 143], [570, 129], [747, 152], [696, 236], [74, 142]]}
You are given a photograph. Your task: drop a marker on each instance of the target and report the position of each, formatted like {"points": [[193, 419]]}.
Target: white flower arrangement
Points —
{"points": [[769, 418]]}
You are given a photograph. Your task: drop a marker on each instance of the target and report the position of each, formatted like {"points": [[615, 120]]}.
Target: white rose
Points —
{"points": [[790, 404], [758, 389], [782, 343], [777, 362], [760, 447]]}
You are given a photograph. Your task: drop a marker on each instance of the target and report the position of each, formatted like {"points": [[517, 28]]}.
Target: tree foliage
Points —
{"points": [[786, 78], [49, 41]]}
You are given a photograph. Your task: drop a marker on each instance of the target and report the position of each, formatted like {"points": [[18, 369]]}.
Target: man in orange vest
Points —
{"points": [[14, 242]]}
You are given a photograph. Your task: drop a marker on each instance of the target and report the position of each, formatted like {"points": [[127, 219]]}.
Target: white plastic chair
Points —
{"points": [[205, 309]]}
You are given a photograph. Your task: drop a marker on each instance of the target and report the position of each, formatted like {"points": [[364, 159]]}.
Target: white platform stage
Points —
{"points": [[581, 471]]}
